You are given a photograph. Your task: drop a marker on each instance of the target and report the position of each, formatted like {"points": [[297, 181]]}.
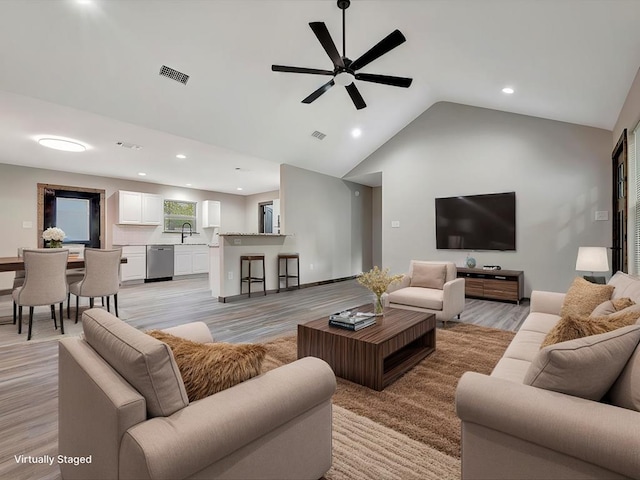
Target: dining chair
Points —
{"points": [[45, 283], [101, 278], [18, 281]]}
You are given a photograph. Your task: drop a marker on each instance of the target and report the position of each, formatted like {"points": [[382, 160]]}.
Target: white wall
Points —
{"points": [[559, 171], [332, 223], [18, 197]]}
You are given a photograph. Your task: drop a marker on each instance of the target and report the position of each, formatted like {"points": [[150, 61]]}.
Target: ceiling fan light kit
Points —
{"points": [[344, 71]]}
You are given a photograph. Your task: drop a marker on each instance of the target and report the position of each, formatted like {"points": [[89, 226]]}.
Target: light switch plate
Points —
{"points": [[602, 215], [27, 224], [395, 224], [237, 241]]}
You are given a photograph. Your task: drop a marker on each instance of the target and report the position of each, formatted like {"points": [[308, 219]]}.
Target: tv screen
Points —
{"points": [[476, 222]]}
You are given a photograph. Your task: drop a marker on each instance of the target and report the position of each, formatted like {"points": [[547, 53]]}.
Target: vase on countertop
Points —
{"points": [[55, 243]]}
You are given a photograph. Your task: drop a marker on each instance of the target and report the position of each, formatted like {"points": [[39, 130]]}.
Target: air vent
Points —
{"points": [[318, 135], [174, 74], [130, 146]]}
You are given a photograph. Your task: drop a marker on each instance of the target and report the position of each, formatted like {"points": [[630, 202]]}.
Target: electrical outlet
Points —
{"points": [[237, 241], [230, 275]]}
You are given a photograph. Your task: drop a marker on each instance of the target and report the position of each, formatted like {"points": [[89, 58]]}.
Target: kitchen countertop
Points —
{"points": [[238, 234]]}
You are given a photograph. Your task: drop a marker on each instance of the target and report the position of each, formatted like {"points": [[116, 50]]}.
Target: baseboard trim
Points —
{"points": [[232, 298]]}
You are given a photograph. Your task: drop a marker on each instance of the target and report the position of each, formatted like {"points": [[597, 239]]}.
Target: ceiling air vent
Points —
{"points": [[174, 74], [130, 146], [318, 135]]}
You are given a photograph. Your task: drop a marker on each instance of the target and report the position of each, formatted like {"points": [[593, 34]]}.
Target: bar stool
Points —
{"points": [[286, 257], [249, 279]]}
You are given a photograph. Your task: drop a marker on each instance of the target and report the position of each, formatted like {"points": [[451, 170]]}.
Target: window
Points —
{"points": [[177, 213], [73, 216]]}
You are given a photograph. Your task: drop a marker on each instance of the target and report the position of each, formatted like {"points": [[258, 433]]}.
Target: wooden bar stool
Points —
{"points": [[286, 257], [249, 279]]}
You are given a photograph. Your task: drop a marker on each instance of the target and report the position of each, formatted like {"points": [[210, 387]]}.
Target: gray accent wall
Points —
{"points": [[559, 171], [331, 219]]}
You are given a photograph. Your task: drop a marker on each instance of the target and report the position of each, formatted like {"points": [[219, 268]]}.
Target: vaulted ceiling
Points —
{"points": [[88, 70]]}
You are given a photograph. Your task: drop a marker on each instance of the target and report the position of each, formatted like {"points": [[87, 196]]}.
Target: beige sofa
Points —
{"points": [[516, 431], [425, 289], [123, 406]]}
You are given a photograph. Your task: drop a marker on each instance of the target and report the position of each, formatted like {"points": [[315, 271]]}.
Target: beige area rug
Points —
{"points": [[419, 405]]}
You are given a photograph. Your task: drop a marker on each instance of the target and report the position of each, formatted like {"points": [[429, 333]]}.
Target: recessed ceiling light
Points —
{"points": [[508, 90], [181, 156], [239, 188], [142, 174], [84, 2], [356, 132], [188, 184], [64, 144]]}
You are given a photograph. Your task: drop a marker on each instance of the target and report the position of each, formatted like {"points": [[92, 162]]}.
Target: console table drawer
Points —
{"points": [[501, 289], [474, 287]]}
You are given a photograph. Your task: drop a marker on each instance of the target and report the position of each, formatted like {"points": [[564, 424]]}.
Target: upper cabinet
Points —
{"points": [[210, 213], [136, 208]]}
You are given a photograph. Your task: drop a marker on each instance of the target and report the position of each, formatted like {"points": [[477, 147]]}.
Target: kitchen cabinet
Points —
{"points": [[190, 259], [210, 213], [136, 266], [137, 208]]}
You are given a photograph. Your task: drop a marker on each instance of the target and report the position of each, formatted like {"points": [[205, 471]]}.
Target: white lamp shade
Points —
{"points": [[592, 259]]}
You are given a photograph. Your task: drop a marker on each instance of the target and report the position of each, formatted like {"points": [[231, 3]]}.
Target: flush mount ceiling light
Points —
{"points": [[508, 90], [63, 144], [239, 188]]}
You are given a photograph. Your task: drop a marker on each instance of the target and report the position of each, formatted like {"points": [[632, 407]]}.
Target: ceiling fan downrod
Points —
{"points": [[343, 5]]}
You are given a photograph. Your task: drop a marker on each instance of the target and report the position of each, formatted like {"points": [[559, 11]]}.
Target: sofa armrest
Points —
{"points": [[194, 331], [209, 429], [546, 302], [453, 298], [594, 432]]}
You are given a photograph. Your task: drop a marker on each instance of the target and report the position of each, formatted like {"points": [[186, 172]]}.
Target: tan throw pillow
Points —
{"points": [[583, 297], [207, 368], [585, 367], [428, 275], [612, 306], [571, 327]]}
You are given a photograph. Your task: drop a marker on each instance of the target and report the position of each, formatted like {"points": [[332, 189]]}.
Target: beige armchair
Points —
{"points": [[429, 287], [122, 402]]}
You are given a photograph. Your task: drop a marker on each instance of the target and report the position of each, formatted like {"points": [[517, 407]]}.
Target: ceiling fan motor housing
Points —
{"points": [[344, 4]]}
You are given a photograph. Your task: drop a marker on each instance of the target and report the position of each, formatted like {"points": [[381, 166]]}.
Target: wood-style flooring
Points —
{"points": [[28, 370]]}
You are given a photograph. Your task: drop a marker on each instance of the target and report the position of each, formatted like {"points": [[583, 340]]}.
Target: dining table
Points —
{"points": [[14, 264]]}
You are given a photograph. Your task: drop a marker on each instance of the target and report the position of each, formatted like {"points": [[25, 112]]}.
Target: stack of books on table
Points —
{"points": [[352, 320]]}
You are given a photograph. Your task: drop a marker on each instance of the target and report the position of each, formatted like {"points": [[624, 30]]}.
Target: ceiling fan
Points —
{"points": [[344, 71]]}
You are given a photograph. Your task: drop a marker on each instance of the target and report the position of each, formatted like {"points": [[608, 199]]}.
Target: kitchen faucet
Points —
{"points": [[184, 234]]}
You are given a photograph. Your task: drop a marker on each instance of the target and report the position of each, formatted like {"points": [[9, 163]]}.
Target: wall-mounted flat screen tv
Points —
{"points": [[477, 222]]}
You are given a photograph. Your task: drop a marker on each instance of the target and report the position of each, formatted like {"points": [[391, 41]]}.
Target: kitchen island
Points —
{"points": [[224, 271]]}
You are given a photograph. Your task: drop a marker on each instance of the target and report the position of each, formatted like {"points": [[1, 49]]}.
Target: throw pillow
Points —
{"points": [[583, 297], [428, 275], [207, 368], [585, 367], [625, 392], [571, 327], [612, 306]]}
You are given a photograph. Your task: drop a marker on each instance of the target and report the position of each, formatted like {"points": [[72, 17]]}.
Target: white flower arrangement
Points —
{"points": [[54, 234]]}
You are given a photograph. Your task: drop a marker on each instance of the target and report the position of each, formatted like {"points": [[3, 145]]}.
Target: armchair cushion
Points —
{"points": [[208, 368], [418, 297], [586, 367], [146, 363], [428, 275]]}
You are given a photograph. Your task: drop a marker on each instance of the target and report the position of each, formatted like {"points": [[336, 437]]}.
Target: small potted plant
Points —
{"points": [[377, 281], [54, 236]]}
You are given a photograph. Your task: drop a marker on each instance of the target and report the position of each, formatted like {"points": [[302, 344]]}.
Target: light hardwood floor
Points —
{"points": [[28, 370]]}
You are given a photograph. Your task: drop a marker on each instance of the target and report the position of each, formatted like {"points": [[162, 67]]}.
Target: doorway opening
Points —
{"points": [[265, 217]]}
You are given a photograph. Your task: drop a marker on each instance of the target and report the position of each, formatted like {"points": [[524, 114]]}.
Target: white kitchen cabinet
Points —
{"points": [[210, 213], [136, 208], [275, 228], [190, 259], [136, 266]]}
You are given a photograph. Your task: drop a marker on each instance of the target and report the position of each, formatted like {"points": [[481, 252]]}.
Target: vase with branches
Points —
{"points": [[377, 281]]}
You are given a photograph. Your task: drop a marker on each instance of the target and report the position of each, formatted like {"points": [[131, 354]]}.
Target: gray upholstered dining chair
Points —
{"points": [[45, 283], [101, 278]]}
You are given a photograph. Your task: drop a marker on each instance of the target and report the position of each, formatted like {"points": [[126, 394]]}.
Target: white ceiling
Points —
{"points": [[90, 72]]}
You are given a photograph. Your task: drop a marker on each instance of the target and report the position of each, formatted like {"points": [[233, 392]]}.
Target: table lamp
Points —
{"points": [[593, 259]]}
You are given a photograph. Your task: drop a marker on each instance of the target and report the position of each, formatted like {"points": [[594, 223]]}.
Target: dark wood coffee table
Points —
{"points": [[375, 356]]}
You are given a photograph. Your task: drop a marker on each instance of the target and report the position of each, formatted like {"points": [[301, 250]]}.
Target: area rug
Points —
{"points": [[420, 404]]}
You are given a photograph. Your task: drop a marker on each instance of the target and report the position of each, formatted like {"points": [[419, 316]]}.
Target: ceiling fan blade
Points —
{"points": [[388, 43], [313, 71], [320, 29], [319, 91], [358, 101], [385, 79]]}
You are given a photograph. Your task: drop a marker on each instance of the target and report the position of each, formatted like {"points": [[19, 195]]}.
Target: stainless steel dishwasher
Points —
{"points": [[159, 263]]}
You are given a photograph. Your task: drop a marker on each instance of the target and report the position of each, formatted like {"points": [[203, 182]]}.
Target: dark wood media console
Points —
{"points": [[493, 284]]}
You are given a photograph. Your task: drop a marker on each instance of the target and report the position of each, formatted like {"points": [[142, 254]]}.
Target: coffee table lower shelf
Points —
{"points": [[375, 356]]}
